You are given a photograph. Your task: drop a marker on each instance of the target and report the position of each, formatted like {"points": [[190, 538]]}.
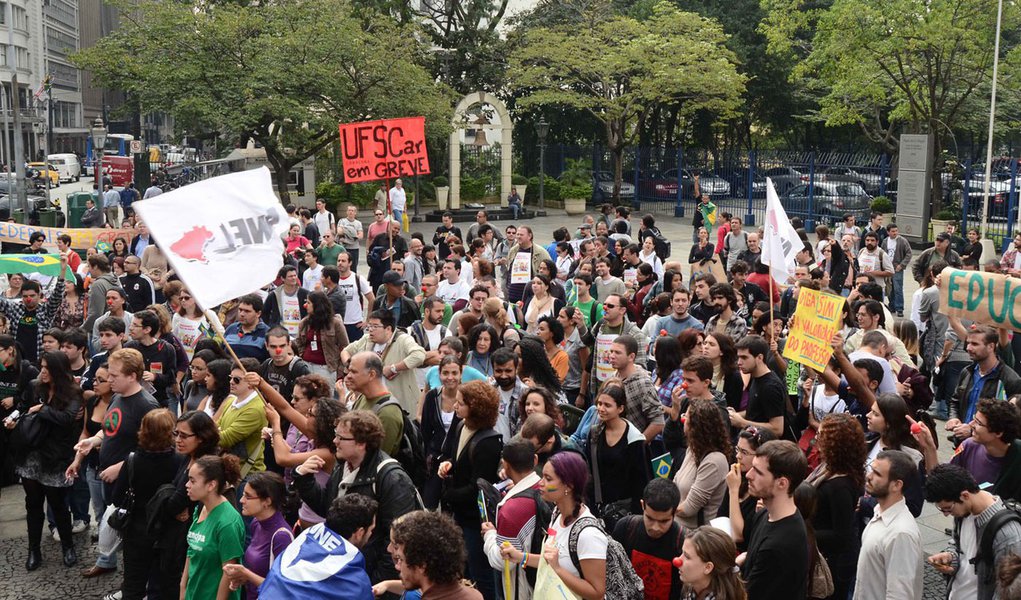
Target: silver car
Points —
{"points": [[829, 200]]}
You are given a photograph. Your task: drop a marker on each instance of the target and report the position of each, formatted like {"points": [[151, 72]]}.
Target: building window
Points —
{"points": [[65, 77], [59, 43], [63, 12], [66, 115]]}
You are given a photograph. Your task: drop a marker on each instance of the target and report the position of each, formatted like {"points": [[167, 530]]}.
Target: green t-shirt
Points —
{"points": [[586, 310], [328, 256], [211, 543]]}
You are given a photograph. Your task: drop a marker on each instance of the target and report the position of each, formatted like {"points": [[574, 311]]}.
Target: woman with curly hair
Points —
{"points": [[313, 414], [727, 378], [539, 400], [472, 451], [702, 478], [535, 369], [482, 342], [840, 482], [551, 332], [708, 569], [620, 463]]}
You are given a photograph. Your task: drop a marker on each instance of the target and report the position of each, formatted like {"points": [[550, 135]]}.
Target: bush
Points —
{"points": [[553, 190], [517, 179], [472, 189], [882, 204], [947, 215], [576, 192], [440, 181]]}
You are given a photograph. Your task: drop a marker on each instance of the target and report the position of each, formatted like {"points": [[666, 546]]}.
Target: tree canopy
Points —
{"points": [[282, 73]]}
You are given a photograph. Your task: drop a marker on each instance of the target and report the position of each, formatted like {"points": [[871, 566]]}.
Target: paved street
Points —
{"points": [[53, 581]]}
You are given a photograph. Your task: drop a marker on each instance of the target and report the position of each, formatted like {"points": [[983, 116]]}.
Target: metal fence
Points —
{"points": [[818, 187]]}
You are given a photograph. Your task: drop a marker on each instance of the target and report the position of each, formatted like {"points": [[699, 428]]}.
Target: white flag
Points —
{"points": [[223, 236], [782, 244]]}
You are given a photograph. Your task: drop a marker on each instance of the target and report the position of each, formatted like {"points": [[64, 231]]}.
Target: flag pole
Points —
{"points": [[771, 333], [389, 226], [217, 326]]}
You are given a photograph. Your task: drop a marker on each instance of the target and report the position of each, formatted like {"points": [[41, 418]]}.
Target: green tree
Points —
{"points": [[892, 65], [282, 73], [619, 69]]}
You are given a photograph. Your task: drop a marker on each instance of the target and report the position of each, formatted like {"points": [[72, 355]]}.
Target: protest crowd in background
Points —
{"points": [[491, 415]]}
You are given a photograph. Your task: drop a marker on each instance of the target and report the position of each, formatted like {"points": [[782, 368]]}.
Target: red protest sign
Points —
{"points": [[374, 150]]}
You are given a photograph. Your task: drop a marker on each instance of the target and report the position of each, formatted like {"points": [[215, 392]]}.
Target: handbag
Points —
{"points": [[29, 432], [119, 518], [821, 585]]}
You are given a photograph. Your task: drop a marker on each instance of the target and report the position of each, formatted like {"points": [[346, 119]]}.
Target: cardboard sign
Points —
{"points": [[714, 267], [120, 169], [81, 238], [374, 150], [987, 298], [817, 318]]}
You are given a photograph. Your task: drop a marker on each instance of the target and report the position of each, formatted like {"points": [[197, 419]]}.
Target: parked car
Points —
{"points": [[830, 200], [784, 178], [739, 184], [602, 188], [871, 182], [999, 194]]}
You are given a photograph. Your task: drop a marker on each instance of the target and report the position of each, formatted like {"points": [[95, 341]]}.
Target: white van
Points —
{"points": [[67, 165]]}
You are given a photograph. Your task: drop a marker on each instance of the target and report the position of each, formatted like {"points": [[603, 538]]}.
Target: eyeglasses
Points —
{"points": [[609, 306], [236, 379], [373, 327], [379, 214], [100, 380], [182, 435], [742, 452], [341, 438], [974, 421], [946, 510], [185, 297]]}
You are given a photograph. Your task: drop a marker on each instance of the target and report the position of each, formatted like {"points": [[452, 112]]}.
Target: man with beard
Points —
{"points": [[890, 562], [776, 563], [873, 260], [726, 320], [679, 319], [413, 266], [753, 254]]}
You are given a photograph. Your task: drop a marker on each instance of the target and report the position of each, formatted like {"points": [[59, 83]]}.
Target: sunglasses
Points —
{"points": [[236, 379]]}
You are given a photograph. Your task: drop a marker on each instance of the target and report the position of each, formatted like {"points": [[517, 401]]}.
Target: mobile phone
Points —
{"points": [[14, 416]]}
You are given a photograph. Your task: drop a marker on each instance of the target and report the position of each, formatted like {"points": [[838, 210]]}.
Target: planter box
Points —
{"points": [[574, 206], [442, 195]]}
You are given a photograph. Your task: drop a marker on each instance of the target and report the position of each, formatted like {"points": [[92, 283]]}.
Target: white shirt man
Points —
{"points": [[398, 198], [313, 275], [453, 287], [324, 219], [350, 230], [356, 289]]}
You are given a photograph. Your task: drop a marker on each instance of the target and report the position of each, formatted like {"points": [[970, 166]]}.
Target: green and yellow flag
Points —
{"points": [[47, 264], [708, 213]]}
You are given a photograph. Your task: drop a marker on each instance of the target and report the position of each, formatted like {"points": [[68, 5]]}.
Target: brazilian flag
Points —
{"points": [[661, 465], [708, 213], [47, 264]]}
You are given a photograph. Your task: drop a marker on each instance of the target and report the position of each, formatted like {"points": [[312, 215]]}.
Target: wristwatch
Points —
{"points": [[393, 369]]}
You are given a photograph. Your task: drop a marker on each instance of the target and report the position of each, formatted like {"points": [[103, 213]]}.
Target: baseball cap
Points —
{"points": [[392, 277]]}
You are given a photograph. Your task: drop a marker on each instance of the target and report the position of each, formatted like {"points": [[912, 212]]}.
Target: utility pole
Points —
{"points": [[19, 150]]}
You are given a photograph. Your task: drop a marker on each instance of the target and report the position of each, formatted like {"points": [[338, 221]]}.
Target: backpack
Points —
{"points": [[1010, 513], [662, 245], [382, 469], [411, 451], [622, 583]]}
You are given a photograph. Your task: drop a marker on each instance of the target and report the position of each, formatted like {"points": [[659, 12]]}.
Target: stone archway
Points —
{"points": [[506, 128]]}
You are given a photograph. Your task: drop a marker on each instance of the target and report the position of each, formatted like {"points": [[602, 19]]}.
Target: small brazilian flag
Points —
{"points": [[661, 465], [47, 264], [708, 213]]}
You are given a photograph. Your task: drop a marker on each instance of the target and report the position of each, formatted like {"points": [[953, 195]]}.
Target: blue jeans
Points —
{"points": [[897, 300], [399, 216], [515, 210], [948, 385], [479, 570], [95, 492]]}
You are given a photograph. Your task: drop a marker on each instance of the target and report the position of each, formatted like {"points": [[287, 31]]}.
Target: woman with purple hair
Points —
{"points": [[564, 479]]}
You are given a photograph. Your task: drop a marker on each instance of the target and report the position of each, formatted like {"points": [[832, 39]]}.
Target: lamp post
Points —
{"points": [[98, 144], [542, 130]]}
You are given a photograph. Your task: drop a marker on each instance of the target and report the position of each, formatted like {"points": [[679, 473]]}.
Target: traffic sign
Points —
{"points": [[136, 146]]}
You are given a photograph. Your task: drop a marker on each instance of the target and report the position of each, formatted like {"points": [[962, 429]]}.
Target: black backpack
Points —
{"points": [[411, 451], [662, 245], [1010, 513]]}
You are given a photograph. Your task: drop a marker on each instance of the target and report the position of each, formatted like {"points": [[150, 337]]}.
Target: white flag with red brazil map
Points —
{"points": [[782, 243], [223, 236]]}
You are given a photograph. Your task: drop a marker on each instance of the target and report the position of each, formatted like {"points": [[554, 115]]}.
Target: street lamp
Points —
{"points": [[542, 130], [98, 144]]}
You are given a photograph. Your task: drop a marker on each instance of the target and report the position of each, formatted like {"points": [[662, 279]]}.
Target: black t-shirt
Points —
{"points": [[13, 384], [28, 335], [121, 424], [282, 378], [777, 562], [161, 360], [767, 396], [652, 558]]}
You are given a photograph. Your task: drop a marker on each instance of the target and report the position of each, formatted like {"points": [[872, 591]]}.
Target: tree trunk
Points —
{"points": [[281, 169]]}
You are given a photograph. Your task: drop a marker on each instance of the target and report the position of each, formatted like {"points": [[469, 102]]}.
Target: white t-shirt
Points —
{"points": [[323, 221], [966, 580], [823, 404], [188, 331], [311, 277], [591, 544], [398, 198], [353, 312], [452, 292], [290, 313], [347, 231]]}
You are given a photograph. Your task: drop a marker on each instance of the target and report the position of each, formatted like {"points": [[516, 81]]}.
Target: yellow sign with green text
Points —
{"points": [[815, 321]]}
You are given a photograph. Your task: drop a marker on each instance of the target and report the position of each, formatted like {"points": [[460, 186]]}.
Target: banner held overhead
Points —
{"points": [[375, 150]]}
